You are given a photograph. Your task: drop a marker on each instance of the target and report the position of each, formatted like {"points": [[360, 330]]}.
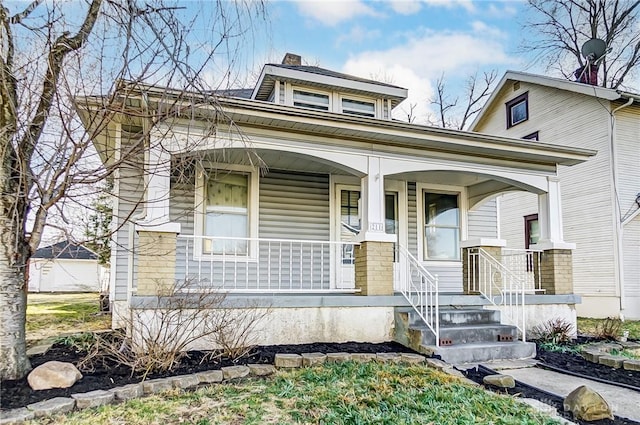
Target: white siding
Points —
{"points": [[570, 119], [482, 221], [631, 249], [628, 158]]}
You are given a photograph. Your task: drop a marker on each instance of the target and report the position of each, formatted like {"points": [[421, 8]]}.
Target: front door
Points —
{"points": [[348, 227]]}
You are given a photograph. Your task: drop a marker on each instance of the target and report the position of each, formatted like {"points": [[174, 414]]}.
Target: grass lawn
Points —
{"points": [[347, 393], [49, 315], [590, 326]]}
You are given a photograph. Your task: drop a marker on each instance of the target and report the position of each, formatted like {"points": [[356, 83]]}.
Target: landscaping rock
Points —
{"points": [[586, 404], [52, 406], [288, 360], [53, 374], [155, 386], [312, 359], [38, 350], [388, 357], [15, 416], [631, 364], [613, 361], [501, 381], [185, 381], [261, 369], [93, 399], [338, 357], [454, 372], [210, 376], [234, 372], [127, 392], [363, 357], [592, 355], [411, 358], [438, 364], [607, 346], [630, 345]]}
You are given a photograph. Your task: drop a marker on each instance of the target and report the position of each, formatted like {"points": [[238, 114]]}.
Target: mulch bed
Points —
{"points": [[18, 393]]}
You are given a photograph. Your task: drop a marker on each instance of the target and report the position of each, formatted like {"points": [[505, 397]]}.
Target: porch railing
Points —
{"points": [[265, 265], [502, 287], [525, 263], [420, 288]]}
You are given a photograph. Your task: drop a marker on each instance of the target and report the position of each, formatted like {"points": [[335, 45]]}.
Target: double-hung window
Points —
{"points": [[441, 226], [226, 218]]}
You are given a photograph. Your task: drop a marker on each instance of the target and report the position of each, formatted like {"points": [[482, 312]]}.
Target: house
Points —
{"points": [[601, 197], [307, 198], [64, 267]]}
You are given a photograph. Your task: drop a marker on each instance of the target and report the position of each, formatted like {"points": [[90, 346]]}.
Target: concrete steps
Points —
{"points": [[467, 334]]}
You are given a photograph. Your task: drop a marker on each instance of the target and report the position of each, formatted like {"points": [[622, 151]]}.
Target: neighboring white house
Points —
{"points": [[64, 267], [601, 197], [305, 196]]}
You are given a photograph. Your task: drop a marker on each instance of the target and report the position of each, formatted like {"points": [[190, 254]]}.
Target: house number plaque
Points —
{"points": [[376, 227]]}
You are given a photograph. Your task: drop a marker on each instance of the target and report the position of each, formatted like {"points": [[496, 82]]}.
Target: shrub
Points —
{"points": [[554, 331], [609, 328]]}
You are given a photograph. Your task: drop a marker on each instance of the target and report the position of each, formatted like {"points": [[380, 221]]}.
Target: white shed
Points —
{"points": [[64, 267]]}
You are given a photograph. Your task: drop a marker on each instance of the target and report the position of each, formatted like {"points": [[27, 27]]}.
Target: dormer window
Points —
{"points": [[358, 107], [312, 100]]}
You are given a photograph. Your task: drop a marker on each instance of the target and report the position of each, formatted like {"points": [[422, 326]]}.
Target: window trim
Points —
{"points": [[527, 231], [461, 191], [532, 136], [524, 97], [358, 99], [201, 207], [295, 89]]}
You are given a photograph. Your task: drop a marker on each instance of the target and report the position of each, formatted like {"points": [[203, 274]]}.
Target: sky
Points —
{"points": [[409, 43]]}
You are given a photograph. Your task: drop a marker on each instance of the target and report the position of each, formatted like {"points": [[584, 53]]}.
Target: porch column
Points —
{"points": [[157, 235], [555, 263], [374, 255], [470, 262]]}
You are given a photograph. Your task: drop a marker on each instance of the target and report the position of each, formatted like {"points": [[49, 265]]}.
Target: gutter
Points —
{"points": [[619, 225]]}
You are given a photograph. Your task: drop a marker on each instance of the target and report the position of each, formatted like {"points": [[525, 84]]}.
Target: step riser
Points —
{"points": [[466, 336], [458, 355], [462, 318]]}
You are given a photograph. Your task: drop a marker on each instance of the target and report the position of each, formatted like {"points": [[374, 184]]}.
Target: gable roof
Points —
{"points": [[65, 250], [557, 83], [320, 77]]}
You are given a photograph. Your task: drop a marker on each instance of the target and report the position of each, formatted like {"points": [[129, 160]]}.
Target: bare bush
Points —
{"points": [[554, 331], [157, 335]]}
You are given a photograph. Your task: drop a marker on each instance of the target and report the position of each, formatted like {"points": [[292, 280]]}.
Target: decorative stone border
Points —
{"points": [[153, 386], [600, 353]]}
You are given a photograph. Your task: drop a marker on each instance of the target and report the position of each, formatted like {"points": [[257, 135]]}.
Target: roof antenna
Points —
{"points": [[593, 51]]}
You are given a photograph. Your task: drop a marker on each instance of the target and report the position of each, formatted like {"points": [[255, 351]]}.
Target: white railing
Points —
{"points": [[525, 263], [494, 281], [265, 265], [420, 288]]}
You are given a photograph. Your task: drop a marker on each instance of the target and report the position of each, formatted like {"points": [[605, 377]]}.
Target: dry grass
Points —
{"points": [[590, 326], [51, 315]]}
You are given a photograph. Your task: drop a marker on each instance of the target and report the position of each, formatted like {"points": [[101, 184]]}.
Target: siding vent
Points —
{"points": [[516, 86]]}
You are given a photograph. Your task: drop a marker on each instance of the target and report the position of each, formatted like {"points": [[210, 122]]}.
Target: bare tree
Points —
{"points": [[48, 163], [454, 113], [560, 28]]}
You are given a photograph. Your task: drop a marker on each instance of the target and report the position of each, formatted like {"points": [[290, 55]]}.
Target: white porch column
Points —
{"points": [[550, 218], [372, 216], [156, 202]]}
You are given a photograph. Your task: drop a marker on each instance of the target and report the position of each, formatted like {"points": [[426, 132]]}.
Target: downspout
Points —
{"points": [[619, 228]]}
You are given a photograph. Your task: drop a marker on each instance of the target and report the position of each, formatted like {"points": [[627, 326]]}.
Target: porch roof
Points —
{"points": [[136, 102]]}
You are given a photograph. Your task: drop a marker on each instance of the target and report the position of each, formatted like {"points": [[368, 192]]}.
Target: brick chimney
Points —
{"points": [[291, 59]]}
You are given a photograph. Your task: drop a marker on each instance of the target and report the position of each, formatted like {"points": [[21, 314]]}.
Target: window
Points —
{"points": [[349, 222], [312, 100], [227, 214], [518, 110], [532, 136], [442, 226], [531, 230], [358, 107]]}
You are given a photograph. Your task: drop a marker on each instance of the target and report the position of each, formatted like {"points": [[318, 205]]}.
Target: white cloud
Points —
{"points": [[467, 4], [334, 12], [506, 11], [405, 7], [484, 29], [358, 34], [424, 57]]}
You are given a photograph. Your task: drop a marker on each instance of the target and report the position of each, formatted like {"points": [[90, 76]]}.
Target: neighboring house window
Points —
{"points": [[312, 100], [227, 214], [358, 107], [442, 226], [531, 230], [532, 136], [518, 110]]}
